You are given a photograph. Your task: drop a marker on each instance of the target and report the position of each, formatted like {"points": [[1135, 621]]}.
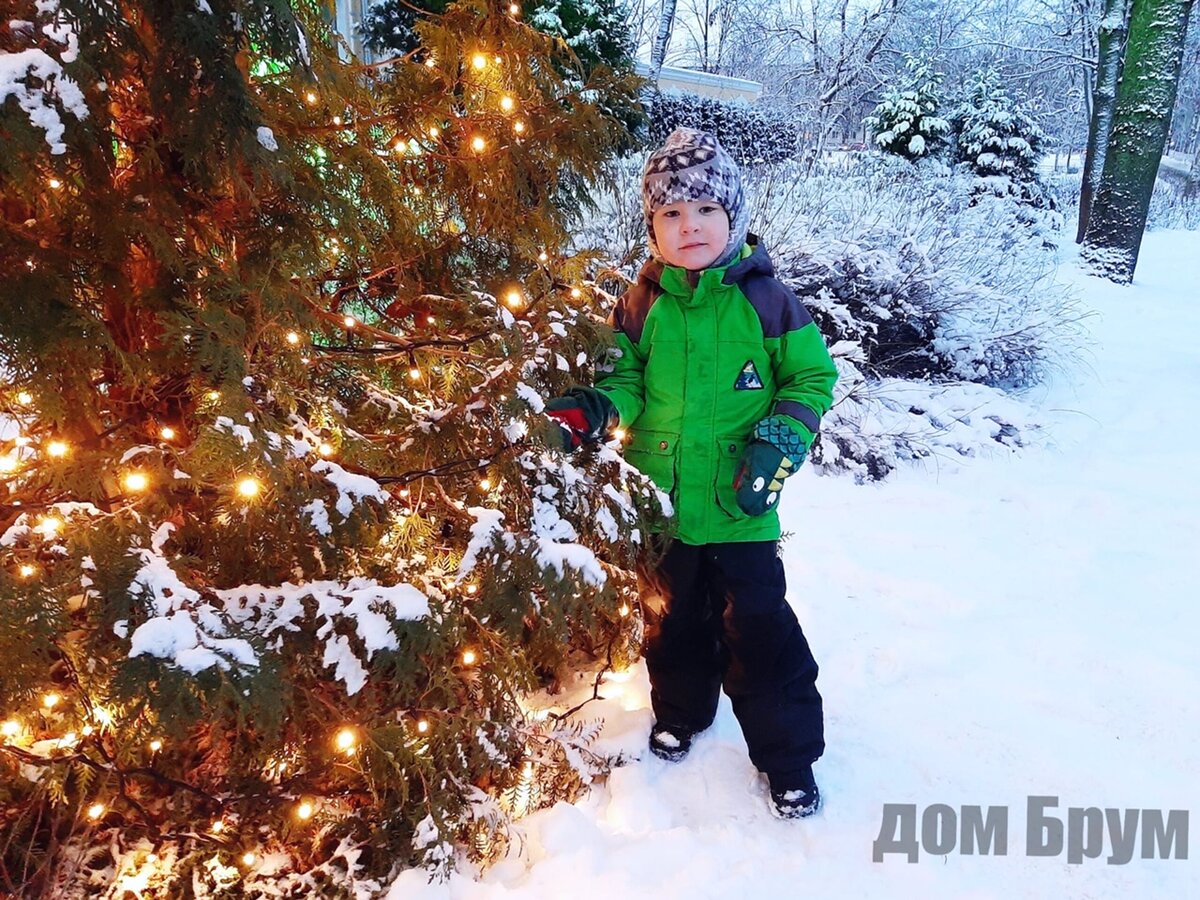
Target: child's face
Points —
{"points": [[691, 234]]}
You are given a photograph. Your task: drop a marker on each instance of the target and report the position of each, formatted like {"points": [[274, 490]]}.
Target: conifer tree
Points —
{"points": [[993, 131], [281, 550], [908, 120]]}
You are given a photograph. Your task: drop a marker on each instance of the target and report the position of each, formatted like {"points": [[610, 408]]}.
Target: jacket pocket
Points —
{"points": [[653, 454], [729, 454]]}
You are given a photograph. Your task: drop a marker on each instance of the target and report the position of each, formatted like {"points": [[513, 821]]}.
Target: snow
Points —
{"points": [[266, 137], [988, 629], [16, 68], [351, 488]]}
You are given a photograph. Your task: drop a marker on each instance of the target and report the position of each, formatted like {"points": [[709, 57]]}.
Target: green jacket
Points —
{"points": [[699, 367]]}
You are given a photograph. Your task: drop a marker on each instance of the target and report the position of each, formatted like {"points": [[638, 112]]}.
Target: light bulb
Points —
{"points": [[485, 484], [156, 745], [514, 9], [478, 144], [345, 740], [249, 487], [8, 463], [293, 338], [217, 827], [431, 320], [167, 433], [337, 120], [434, 131], [469, 658], [514, 299], [87, 730], [349, 321], [95, 811], [136, 481], [479, 61], [325, 448], [51, 700], [519, 127], [471, 588], [310, 97], [422, 726], [57, 449], [620, 434], [213, 395], [507, 103], [400, 146], [429, 62], [414, 373], [248, 857], [11, 728], [27, 570], [55, 184], [624, 610], [304, 811], [543, 256], [24, 398], [576, 293], [51, 525]]}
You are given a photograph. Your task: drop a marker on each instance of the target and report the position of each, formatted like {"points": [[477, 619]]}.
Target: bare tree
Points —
{"points": [[658, 53]]}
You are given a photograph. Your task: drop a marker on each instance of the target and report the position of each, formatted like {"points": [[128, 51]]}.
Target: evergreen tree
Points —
{"points": [[280, 553], [1141, 123], [994, 134], [907, 121]]}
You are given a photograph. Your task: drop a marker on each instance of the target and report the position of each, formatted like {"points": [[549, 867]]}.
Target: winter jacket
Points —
{"points": [[699, 366]]}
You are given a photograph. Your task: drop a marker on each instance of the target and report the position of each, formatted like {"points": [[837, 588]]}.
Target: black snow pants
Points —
{"points": [[716, 617]]}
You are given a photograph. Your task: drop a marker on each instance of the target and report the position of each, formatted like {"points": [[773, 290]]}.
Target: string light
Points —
{"points": [[414, 373], [50, 525], [27, 570], [87, 730], [24, 398], [514, 299], [434, 131], [337, 120], [345, 740], [485, 484], [167, 433], [471, 588], [95, 811], [349, 321], [156, 745], [400, 146], [325, 448], [431, 320], [422, 726], [136, 481], [507, 103], [51, 700], [478, 144], [249, 487], [11, 728], [57, 449], [217, 827], [479, 61], [293, 338], [469, 658], [620, 434], [310, 97], [514, 9], [624, 610], [55, 184], [8, 463], [576, 293], [248, 857], [519, 127], [543, 256], [213, 395], [304, 811], [429, 62]]}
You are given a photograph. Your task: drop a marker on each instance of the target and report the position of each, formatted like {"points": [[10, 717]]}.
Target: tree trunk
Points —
{"points": [[1145, 98], [1192, 187], [1113, 28], [658, 52]]}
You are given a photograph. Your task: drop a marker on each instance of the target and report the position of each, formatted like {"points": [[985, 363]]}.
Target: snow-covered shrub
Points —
{"points": [[908, 121], [751, 134], [993, 132]]}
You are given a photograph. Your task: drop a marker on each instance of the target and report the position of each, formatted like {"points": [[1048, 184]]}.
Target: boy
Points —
{"points": [[721, 383]]}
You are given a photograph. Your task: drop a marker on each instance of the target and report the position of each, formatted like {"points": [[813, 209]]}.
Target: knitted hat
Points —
{"points": [[692, 165]]}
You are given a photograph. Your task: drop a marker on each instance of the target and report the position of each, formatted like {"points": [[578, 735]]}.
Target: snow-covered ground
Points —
{"points": [[987, 629]]}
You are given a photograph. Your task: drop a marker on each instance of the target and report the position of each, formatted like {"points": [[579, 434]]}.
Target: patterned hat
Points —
{"points": [[692, 165]]}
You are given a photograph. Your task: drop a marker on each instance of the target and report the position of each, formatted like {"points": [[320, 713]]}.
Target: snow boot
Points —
{"points": [[670, 743], [796, 797]]}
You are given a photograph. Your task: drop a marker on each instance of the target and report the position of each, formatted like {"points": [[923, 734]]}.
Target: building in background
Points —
{"points": [[723, 87]]}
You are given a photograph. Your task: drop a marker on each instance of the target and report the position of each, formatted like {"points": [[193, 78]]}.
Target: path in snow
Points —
{"points": [[987, 629]]}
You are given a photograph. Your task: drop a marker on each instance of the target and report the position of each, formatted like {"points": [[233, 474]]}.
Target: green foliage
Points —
{"points": [[269, 522], [994, 133]]}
